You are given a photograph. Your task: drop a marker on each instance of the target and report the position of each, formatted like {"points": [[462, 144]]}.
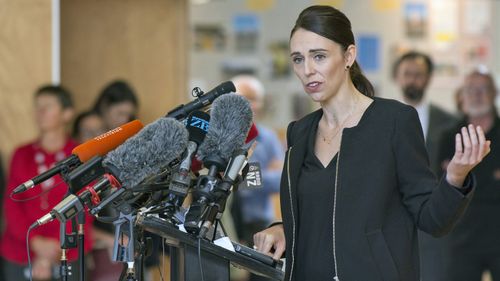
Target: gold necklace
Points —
{"points": [[329, 140]]}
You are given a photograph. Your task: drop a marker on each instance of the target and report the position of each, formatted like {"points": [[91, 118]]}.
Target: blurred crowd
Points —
{"points": [[470, 250]]}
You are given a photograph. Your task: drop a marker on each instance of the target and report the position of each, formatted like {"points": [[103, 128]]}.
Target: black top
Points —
{"points": [[316, 194], [479, 229], [385, 192]]}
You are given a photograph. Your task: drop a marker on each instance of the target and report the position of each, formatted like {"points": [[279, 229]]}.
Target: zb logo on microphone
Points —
{"points": [[199, 123]]}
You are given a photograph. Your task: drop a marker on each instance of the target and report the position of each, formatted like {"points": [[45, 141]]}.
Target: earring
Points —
{"points": [[347, 67]]}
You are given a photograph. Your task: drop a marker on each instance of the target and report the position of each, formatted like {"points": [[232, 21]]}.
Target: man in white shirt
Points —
{"points": [[412, 72]]}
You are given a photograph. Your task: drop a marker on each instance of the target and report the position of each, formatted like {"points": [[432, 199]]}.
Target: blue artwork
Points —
{"points": [[368, 52], [246, 28], [246, 23]]}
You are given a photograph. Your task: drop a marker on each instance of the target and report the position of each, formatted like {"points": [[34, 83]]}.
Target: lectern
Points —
{"points": [[215, 260]]}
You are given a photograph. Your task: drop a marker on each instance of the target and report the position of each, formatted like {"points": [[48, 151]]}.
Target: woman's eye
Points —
{"points": [[297, 60], [319, 57]]}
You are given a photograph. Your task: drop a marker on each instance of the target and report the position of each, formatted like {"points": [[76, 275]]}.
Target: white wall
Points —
{"points": [[388, 25]]}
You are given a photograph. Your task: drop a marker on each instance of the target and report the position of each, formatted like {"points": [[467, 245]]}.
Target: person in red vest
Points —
{"points": [[53, 111]]}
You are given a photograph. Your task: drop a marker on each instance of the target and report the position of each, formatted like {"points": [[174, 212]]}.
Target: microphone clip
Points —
{"points": [[197, 92]]}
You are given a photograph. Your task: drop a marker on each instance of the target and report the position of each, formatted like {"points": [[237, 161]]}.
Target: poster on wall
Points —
{"points": [[416, 20], [478, 30], [369, 52], [477, 16], [259, 5], [385, 5], [209, 38], [280, 59], [246, 32], [334, 3], [477, 51], [445, 29], [231, 67]]}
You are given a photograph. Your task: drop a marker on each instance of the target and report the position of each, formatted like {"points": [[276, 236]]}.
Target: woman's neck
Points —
{"points": [[53, 140], [341, 105]]}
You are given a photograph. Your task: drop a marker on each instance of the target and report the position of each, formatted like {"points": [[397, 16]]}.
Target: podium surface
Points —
{"points": [[215, 259]]}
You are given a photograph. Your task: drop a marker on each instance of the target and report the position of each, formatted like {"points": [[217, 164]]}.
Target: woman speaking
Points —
{"points": [[356, 183]]}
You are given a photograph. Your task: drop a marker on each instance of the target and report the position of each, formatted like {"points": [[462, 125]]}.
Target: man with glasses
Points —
{"points": [[473, 246]]}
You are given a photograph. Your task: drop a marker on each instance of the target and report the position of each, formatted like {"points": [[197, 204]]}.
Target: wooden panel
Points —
{"points": [[143, 42], [25, 64]]}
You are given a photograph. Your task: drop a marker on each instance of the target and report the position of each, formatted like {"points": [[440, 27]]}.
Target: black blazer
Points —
{"points": [[385, 192]]}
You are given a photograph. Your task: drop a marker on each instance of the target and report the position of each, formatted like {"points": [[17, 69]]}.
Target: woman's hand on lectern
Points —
{"points": [[271, 241]]}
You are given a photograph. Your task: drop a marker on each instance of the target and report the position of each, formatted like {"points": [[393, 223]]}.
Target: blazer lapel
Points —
{"points": [[298, 153]]}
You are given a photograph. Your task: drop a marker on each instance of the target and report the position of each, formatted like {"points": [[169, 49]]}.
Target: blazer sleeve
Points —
{"points": [[434, 205]]}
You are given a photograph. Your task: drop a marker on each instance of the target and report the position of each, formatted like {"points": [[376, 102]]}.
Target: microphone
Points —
{"points": [[99, 145], [73, 204], [197, 126], [147, 153], [252, 134], [183, 110], [136, 159], [230, 121], [232, 176]]}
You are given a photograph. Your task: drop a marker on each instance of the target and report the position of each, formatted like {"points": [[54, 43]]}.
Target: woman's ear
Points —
{"points": [[350, 55]]}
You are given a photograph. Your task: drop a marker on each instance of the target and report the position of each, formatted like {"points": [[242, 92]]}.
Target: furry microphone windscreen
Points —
{"points": [[145, 154], [230, 120]]}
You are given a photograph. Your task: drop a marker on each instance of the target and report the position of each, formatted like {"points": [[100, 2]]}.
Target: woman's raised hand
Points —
{"points": [[471, 147]]}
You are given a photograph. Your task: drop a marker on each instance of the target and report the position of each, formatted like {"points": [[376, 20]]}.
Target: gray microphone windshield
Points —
{"points": [[146, 153], [230, 121]]}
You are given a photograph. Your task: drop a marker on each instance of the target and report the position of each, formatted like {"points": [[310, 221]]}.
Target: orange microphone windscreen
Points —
{"points": [[106, 142]]}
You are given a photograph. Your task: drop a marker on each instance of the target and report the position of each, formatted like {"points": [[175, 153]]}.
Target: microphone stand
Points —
{"points": [[81, 245], [68, 241], [123, 225], [145, 247]]}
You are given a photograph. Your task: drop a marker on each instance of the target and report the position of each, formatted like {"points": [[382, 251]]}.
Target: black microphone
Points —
{"points": [[60, 167], [197, 126], [221, 191], [230, 121], [139, 157], [183, 110]]}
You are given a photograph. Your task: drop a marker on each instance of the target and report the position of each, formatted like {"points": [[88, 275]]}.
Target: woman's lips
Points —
{"points": [[313, 87]]}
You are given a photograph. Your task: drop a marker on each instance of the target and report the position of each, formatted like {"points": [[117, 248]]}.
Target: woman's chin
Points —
{"points": [[316, 96]]}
